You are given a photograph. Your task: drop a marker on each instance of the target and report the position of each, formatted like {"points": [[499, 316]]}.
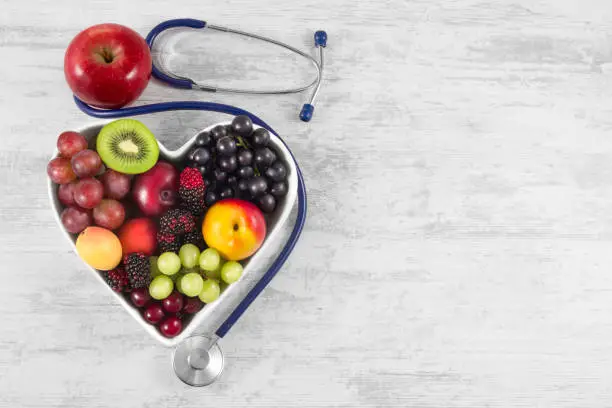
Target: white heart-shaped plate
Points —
{"points": [[234, 293]]}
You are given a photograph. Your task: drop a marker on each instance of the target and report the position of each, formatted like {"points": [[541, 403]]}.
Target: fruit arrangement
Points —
{"points": [[168, 238]]}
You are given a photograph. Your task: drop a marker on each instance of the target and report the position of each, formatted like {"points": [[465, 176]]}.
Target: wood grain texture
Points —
{"points": [[457, 249]]}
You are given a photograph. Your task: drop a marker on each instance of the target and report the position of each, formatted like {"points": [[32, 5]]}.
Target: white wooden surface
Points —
{"points": [[457, 250]]}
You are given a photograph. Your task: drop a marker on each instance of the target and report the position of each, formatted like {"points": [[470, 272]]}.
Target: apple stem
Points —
{"points": [[106, 54]]}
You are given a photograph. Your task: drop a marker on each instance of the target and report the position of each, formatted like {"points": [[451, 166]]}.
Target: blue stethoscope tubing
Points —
{"points": [[320, 40], [230, 110]]}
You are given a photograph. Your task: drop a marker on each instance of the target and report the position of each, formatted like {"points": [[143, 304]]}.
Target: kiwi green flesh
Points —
{"points": [[127, 146]]}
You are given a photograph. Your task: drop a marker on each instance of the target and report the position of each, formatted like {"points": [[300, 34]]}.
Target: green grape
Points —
{"points": [[177, 276], [210, 291], [231, 272], [153, 266], [215, 274], [169, 263], [178, 283], [210, 259], [161, 287], [192, 284], [189, 255]]}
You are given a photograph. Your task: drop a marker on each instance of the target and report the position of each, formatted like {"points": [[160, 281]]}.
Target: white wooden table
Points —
{"points": [[458, 247]]}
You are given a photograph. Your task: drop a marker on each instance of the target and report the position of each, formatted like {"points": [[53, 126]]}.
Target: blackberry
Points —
{"points": [[195, 238], [137, 268], [196, 208], [177, 221], [168, 242], [118, 280]]}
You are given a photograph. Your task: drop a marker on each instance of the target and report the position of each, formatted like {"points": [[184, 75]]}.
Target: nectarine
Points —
{"points": [[236, 228]]}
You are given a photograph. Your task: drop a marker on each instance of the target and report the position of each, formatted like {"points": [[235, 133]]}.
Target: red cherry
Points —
{"points": [[173, 303], [192, 305], [140, 297], [171, 326], [154, 313]]}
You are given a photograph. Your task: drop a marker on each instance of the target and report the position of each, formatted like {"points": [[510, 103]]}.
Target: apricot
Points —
{"points": [[99, 248]]}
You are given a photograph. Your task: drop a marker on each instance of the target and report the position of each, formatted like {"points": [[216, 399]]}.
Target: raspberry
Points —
{"points": [[137, 268], [118, 280], [191, 190], [191, 178], [177, 221]]}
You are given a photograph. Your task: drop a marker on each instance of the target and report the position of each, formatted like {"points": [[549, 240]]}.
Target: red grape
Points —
{"points": [[76, 219], [109, 214], [65, 193], [173, 303], [140, 297], [154, 313], [60, 171], [116, 185], [88, 192], [192, 305], [86, 163], [171, 326], [70, 143]]}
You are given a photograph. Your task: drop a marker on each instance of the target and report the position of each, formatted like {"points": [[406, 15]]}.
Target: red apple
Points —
{"points": [[236, 228], [107, 65], [156, 190], [138, 235]]}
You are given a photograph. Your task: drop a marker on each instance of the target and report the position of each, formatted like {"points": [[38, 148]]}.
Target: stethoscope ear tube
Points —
{"points": [[280, 259], [177, 82], [320, 40], [231, 110]]}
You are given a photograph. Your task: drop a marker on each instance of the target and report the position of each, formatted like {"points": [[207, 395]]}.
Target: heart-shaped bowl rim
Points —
{"points": [[222, 304]]}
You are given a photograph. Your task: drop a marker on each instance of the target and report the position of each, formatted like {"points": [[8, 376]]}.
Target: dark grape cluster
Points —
{"points": [[237, 161]]}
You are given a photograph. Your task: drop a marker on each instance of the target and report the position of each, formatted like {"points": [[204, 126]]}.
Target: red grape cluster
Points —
{"points": [[89, 194]]}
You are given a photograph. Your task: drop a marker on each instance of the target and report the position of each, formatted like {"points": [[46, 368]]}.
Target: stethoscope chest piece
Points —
{"points": [[198, 361]]}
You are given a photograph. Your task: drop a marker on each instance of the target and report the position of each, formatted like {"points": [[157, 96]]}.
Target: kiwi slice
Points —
{"points": [[127, 146]]}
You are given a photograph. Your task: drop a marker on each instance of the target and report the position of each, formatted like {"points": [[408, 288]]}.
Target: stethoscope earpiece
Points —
{"points": [[320, 38]]}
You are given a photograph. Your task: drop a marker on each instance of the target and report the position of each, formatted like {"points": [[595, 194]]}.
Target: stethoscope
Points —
{"points": [[205, 370], [179, 81]]}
